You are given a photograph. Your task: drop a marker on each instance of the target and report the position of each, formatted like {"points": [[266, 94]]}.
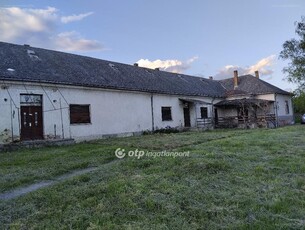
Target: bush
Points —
{"points": [[167, 129]]}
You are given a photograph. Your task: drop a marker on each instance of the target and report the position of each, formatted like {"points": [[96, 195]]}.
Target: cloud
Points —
{"points": [[263, 66], [75, 17], [39, 27], [71, 41], [16, 23], [174, 66]]}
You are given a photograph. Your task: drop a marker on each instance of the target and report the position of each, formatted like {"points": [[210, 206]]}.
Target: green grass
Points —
{"points": [[235, 179]]}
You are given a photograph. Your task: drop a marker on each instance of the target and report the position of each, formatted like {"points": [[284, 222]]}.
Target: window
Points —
{"points": [[166, 113], [204, 112], [30, 100], [80, 114], [287, 107]]}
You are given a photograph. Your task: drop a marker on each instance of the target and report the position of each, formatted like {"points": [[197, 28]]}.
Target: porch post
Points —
{"points": [[196, 117], [212, 112]]}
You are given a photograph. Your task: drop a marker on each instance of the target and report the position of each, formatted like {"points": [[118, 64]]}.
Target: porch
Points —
{"points": [[200, 115], [245, 113]]}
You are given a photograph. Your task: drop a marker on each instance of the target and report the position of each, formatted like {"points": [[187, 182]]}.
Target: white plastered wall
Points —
{"points": [[111, 111], [284, 118]]}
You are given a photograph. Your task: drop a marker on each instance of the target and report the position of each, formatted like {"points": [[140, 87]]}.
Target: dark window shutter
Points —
{"points": [[166, 113], [79, 114]]}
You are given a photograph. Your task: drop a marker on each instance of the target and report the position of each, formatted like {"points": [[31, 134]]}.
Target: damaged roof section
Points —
{"points": [[47, 66]]}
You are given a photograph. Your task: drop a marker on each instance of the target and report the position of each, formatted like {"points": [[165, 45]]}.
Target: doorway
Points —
{"points": [[216, 116], [187, 118], [31, 117]]}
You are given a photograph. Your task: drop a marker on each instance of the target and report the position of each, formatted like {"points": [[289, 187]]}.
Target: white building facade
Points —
{"points": [[111, 112], [46, 94]]}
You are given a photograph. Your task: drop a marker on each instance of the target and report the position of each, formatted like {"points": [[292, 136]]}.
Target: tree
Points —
{"points": [[294, 50], [299, 102]]}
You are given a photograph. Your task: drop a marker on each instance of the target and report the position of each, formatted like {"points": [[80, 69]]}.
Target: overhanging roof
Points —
{"points": [[194, 101], [241, 102]]}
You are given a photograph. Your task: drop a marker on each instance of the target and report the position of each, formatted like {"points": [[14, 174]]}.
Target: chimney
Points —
{"points": [[157, 69], [211, 77], [235, 79], [136, 64], [256, 74]]}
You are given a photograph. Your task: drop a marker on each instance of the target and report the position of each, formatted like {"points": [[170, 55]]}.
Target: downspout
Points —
{"points": [[61, 119], [276, 112], [12, 127], [152, 112]]}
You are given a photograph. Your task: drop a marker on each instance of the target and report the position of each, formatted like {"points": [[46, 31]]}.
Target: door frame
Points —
{"points": [[187, 116], [39, 106]]}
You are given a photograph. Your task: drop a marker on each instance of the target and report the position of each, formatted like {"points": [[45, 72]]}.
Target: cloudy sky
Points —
{"points": [[197, 37]]}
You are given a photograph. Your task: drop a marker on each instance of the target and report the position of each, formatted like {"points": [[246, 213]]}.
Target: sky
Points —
{"points": [[195, 37]]}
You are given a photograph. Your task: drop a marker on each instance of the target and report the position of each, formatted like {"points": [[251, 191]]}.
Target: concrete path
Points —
{"points": [[33, 187]]}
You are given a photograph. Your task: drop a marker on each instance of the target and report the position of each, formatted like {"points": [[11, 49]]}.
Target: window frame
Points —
{"points": [[166, 117], [72, 120], [287, 109], [206, 112]]}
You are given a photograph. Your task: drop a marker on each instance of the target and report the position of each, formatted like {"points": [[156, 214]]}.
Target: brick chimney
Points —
{"points": [[256, 74], [235, 78]]}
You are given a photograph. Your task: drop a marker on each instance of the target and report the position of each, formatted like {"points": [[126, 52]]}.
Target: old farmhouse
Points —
{"points": [[47, 94]]}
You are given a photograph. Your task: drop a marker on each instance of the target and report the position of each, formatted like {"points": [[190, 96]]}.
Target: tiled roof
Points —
{"points": [[235, 92], [29, 64], [252, 85], [24, 63]]}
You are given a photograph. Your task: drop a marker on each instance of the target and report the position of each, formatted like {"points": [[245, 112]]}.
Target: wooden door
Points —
{"points": [[31, 123], [187, 118]]}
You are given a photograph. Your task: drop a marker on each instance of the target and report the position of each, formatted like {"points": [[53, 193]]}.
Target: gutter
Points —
{"points": [[152, 112]]}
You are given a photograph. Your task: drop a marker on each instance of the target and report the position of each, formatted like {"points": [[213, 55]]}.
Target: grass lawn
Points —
{"points": [[236, 179]]}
